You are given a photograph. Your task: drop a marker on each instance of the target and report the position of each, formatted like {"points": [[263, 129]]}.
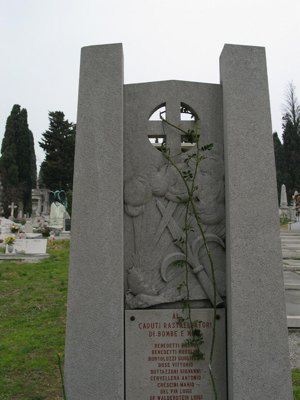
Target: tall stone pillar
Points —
{"points": [[283, 197], [258, 365], [39, 206], [94, 343]]}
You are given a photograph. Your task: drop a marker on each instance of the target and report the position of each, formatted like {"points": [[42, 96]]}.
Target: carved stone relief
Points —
{"points": [[153, 190], [154, 209]]}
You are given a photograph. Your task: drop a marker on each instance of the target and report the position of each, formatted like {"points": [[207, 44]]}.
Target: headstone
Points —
{"points": [[31, 246], [114, 155], [5, 225], [20, 214], [57, 215], [28, 228], [293, 208], [12, 207]]}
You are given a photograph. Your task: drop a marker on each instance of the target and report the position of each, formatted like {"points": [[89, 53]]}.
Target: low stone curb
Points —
{"points": [[28, 258]]}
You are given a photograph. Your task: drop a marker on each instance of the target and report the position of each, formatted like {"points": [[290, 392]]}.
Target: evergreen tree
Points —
{"points": [[291, 143], [33, 160], [280, 163], [24, 161], [9, 167], [59, 145], [18, 173]]}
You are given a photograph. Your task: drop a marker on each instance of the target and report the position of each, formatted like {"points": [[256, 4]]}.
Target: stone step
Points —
{"points": [[290, 239], [290, 243], [289, 234], [290, 253], [293, 321], [292, 261]]}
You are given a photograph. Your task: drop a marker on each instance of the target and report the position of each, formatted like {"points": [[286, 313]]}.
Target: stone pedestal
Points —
{"points": [[256, 315]]}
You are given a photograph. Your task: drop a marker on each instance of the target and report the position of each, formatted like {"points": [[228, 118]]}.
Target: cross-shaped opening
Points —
{"points": [[181, 115], [158, 113], [186, 113]]}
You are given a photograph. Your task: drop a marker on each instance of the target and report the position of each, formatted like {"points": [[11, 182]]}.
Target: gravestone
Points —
{"points": [[20, 213], [31, 246], [28, 227], [5, 226], [124, 305], [12, 208]]}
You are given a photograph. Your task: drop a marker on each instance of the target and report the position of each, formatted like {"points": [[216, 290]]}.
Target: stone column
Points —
{"points": [[283, 197], [94, 343], [46, 206], [39, 206], [258, 364]]}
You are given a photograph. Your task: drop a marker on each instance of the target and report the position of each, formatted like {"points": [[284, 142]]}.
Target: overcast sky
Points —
{"points": [[163, 39]]}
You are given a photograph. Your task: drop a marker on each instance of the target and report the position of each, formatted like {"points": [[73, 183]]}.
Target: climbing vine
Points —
{"points": [[188, 175]]}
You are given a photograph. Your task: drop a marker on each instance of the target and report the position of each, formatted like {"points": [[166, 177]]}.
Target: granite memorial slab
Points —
{"points": [[156, 348]]}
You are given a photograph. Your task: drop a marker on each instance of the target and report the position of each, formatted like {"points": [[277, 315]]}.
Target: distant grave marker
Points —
{"points": [[12, 207]]}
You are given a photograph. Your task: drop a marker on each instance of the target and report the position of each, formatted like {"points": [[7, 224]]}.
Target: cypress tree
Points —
{"points": [[16, 164], [280, 163], [59, 145], [24, 162], [9, 167], [32, 160], [291, 143]]}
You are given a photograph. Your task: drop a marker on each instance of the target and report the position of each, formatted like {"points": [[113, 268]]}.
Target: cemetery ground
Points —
{"points": [[32, 327]]}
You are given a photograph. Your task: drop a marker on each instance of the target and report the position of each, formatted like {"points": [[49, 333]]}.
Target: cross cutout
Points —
{"points": [[12, 207], [172, 135]]}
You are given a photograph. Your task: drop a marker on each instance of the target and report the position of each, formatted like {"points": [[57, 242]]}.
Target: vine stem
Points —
{"points": [[190, 202], [59, 362], [187, 281]]}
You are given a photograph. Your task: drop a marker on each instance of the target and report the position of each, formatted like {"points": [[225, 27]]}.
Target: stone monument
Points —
{"points": [[283, 197], [40, 202], [12, 208], [58, 212], [285, 210], [127, 334], [57, 215]]}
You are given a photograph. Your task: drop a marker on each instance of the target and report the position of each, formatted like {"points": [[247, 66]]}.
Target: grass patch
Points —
{"points": [[296, 383], [32, 325]]}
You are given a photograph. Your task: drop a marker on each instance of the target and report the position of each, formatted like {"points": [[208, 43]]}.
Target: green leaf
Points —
{"points": [[207, 147]]}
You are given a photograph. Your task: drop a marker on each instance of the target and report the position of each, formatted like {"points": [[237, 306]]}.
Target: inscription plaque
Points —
{"points": [[159, 364]]}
